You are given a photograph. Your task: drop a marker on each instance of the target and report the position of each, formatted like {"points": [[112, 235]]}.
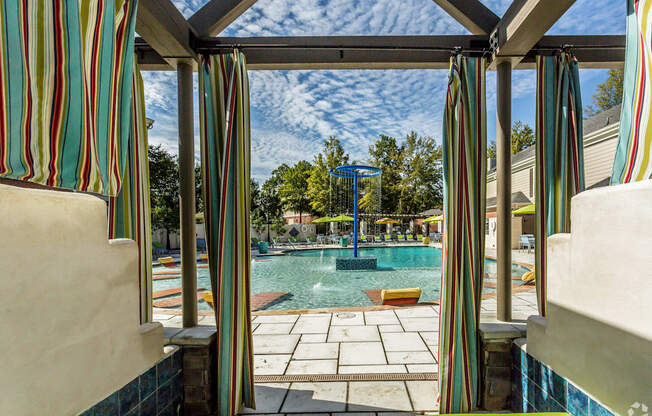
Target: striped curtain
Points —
{"points": [[130, 211], [465, 177], [633, 161], [225, 155], [559, 154], [65, 91]]}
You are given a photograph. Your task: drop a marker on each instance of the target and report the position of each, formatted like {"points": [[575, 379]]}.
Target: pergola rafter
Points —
{"points": [[166, 32], [216, 15], [523, 25], [473, 15]]}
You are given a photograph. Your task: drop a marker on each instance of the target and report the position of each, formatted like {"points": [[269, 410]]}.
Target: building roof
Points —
{"points": [[589, 125], [431, 212], [517, 198]]}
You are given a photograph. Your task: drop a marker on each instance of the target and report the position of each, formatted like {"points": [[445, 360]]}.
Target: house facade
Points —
{"points": [[600, 142]]}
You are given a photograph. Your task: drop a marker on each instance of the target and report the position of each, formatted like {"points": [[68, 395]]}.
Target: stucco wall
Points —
{"points": [[69, 319], [598, 332]]}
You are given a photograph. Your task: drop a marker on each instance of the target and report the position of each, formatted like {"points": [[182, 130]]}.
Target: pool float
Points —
{"points": [[208, 298], [529, 276], [167, 261], [400, 296]]}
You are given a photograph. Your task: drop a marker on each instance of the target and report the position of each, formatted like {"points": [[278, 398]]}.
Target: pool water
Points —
{"points": [[311, 279]]}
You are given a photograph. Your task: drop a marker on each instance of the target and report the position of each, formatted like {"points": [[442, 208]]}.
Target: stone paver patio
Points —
{"points": [[393, 341]]}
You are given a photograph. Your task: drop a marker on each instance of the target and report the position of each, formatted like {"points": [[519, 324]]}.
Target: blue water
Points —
{"points": [[311, 279]]}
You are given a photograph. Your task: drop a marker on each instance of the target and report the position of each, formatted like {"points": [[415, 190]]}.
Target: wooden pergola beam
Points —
{"points": [[216, 15], [525, 23], [473, 15], [166, 31]]}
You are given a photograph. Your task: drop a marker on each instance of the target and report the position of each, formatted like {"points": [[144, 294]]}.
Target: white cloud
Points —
{"points": [[294, 111]]}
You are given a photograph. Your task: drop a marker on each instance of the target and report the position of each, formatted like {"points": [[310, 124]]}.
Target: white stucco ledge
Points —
{"points": [[489, 331], [151, 327], [198, 335], [78, 294]]}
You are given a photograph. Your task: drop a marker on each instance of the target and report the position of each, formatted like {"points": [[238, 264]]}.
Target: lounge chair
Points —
{"points": [[419, 237], [309, 240], [377, 239], [400, 237], [388, 238], [363, 238], [410, 237]]}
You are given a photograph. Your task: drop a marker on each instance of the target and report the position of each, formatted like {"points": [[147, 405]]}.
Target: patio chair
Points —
{"points": [[388, 238], [309, 241], [410, 237], [532, 240], [400, 237], [419, 237], [363, 238], [525, 243], [378, 239]]}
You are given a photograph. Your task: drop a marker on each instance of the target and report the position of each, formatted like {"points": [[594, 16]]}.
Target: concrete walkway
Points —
{"points": [[388, 343]]}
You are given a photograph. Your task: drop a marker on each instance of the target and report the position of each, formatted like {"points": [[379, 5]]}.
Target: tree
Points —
{"points": [[164, 189], [293, 190], [331, 156], [608, 94], [270, 201], [387, 155], [421, 184], [522, 138]]}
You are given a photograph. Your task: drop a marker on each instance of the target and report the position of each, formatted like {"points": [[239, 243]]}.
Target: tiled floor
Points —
{"points": [[383, 341]]}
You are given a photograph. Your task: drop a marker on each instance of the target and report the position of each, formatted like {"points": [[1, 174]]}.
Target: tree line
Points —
{"points": [[411, 180]]}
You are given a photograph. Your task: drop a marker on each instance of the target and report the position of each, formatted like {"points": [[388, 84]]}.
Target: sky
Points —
{"points": [[293, 112]]}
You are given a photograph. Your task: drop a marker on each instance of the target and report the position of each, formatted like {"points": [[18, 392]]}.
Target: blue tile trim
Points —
{"points": [[538, 388], [156, 392]]}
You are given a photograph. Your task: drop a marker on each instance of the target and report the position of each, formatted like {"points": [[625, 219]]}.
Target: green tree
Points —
{"points": [[270, 201], [608, 94], [421, 184], [319, 192], [164, 189], [293, 190], [522, 138], [387, 155]]}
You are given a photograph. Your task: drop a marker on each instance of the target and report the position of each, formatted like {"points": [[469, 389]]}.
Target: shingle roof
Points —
{"points": [[517, 198], [431, 212], [589, 125]]}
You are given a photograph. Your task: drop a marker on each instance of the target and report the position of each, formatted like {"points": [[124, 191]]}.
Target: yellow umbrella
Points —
{"points": [[342, 218], [322, 219], [386, 221], [434, 218], [528, 209]]}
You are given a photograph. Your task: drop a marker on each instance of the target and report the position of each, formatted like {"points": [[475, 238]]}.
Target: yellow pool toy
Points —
{"points": [[529, 276]]}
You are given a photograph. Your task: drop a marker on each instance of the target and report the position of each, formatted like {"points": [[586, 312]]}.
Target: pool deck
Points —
{"points": [[383, 358]]}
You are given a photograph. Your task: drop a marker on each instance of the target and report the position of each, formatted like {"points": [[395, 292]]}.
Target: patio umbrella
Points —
{"points": [[322, 220], [434, 218], [386, 221], [528, 209], [342, 218]]}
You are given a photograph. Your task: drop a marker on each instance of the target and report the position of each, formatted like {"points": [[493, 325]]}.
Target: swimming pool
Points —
{"points": [[311, 279]]}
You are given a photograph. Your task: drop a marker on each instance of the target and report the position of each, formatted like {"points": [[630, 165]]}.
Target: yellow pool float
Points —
{"points": [[529, 276]]}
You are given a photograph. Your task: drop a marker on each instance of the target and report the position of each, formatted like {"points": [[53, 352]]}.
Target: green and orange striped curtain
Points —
{"points": [[65, 92], [130, 211], [633, 161], [225, 156], [559, 154], [465, 178]]}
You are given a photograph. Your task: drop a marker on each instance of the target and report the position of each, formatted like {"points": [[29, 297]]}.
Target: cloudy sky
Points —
{"points": [[294, 111]]}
